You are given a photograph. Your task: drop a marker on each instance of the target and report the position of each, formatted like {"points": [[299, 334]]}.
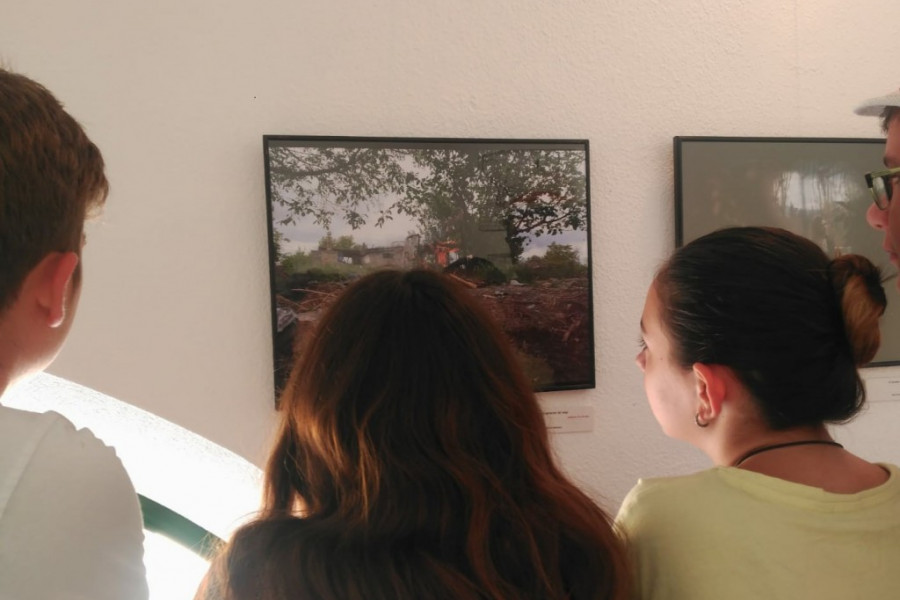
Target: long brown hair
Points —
{"points": [[413, 462]]}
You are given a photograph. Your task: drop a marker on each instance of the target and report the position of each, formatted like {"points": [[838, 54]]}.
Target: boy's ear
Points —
{"points": [[53, 278], [713, 386]]}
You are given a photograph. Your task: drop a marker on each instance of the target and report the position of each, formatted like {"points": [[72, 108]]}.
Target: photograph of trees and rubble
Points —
{"points": [[508, 219]]}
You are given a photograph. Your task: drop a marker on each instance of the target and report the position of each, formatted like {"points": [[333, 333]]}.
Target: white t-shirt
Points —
{"points": [[70, 521]]}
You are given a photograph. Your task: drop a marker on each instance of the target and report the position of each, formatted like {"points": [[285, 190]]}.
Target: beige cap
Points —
{"points": [[873, 107]]}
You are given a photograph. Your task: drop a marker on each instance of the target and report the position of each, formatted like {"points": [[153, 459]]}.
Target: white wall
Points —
{"points": [[178, 93]]}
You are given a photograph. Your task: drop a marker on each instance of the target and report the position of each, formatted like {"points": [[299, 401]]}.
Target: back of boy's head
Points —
{"points": [[51, 177]]}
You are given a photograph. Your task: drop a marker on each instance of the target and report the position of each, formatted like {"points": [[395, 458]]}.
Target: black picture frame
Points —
{"points": [[508, 217], [812, 186]]}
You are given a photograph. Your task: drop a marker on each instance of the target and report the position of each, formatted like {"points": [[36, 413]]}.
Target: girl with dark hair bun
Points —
{"points": [[413, 463], [751, 339]]}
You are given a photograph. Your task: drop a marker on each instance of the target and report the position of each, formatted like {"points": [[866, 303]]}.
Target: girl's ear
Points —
{"points": [[714, 384], [53, 277]]}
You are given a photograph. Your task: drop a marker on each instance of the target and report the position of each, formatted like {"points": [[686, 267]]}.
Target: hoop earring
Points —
{"points": [[699, 422]]}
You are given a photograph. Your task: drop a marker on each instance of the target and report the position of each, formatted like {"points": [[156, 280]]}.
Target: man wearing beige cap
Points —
{"points": [[883, 215]]}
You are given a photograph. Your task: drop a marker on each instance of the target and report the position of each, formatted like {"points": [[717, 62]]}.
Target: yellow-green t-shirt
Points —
{"points": [[730, 534]]}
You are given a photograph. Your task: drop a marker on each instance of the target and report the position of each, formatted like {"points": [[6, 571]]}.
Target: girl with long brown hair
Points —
{"points": [[413, 462]]}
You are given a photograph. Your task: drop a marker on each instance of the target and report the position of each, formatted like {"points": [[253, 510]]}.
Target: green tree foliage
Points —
{"points": [[278, 240], [344, 242], [454, 193], [560, 254], [296, 262], [461, 194], [560, 261], [325, 182]]}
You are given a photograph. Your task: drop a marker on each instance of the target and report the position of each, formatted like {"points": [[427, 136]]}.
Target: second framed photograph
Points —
{"points": [[814, 187], [509, 219]]}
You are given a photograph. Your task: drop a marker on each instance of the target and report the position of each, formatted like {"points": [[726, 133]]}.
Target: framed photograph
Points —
{"points": [[811, 186], [509, 219]]}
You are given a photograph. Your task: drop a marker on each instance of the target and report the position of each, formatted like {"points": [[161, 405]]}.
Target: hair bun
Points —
{"points": [[858, 286]]}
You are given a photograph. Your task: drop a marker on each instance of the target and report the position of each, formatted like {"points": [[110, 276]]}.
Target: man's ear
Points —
{"points": [[713, 385], [54, 276]]}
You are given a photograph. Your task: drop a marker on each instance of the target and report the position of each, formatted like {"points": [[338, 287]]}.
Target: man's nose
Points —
{"points": [[876, 217]]}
